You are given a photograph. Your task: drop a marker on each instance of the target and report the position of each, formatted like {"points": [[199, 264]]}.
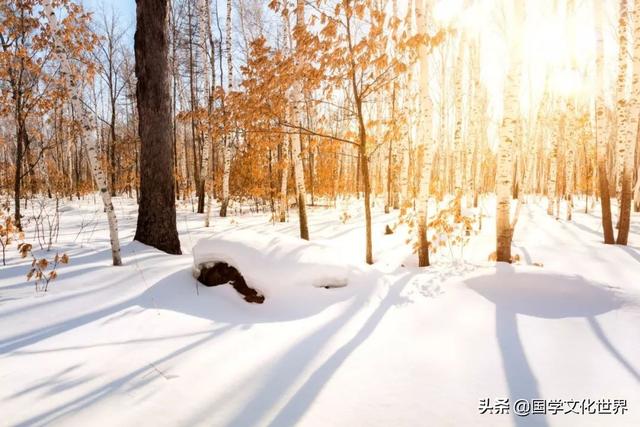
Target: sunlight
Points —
{"points": [[319, 212], [567, 83], [446, 11]]}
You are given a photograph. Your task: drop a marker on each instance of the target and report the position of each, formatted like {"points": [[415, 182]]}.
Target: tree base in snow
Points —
{"points": [[222, 273]]}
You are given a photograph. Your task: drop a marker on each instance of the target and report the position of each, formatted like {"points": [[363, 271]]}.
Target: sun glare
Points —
{"points": [[447, 11]]}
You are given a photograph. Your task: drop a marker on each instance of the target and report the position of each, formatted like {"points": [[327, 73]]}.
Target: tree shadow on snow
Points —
{"points": [[180, 292], [132, 380], [633, 252], [546, 296], [296, 407], [288, 369]]}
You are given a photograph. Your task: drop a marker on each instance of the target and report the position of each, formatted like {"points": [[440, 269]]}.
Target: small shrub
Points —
{"points": [[42, 271], [344, 217], [8, 233]]}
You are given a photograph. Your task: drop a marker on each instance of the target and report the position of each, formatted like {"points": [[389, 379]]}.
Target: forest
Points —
{"points": [[320, 212]]}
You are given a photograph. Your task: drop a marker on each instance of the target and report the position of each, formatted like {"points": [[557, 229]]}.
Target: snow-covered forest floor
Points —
{"points": [[398, 346]]}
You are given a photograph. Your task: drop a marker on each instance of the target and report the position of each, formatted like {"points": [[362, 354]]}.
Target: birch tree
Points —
{"points": [[601, 128], [425, 136], [76, 100], [296, 150], [630, 135], [510, 119], [226, 149]]}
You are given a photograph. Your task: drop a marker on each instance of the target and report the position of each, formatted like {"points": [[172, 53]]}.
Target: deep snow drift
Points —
{"points": [[144, 344], [275, 264]]}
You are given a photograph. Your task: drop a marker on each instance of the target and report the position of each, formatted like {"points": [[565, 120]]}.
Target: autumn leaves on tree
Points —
{"points": [[232, 105]]}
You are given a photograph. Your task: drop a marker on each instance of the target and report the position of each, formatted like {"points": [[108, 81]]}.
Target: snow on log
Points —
{"points": [[270, 262]]}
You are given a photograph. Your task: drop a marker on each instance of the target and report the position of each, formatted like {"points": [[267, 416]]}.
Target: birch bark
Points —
{"points": [[98, 174]]}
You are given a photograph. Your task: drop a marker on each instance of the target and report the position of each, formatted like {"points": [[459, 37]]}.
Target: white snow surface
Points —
{"points": [[273, 263], [142, 344]]}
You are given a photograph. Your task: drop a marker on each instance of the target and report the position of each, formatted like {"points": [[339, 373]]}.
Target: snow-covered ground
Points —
{"points": [[142, 344]]}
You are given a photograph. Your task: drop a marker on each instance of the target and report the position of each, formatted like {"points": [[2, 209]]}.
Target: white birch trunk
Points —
{"points": [[226, 149], [296, 143], [424, 138], [553, 168], [477, 114], [76, 93], [570, 158], [630, 135], [602, 130], [622, 106], [632, 139], [207, 175], [459, 113], [284, 203], [504, 171]]}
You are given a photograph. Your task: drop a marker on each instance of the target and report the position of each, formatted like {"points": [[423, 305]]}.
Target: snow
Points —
{"points": [[275, 264], [399, 345]]}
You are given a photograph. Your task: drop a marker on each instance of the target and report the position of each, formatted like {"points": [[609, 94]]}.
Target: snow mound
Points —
{"points": [[272, 262]]}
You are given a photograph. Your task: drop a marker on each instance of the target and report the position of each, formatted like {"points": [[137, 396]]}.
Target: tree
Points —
{"points": [[629, 135], [157, 211], [73, 84], [226, 149], [504, 177], [296, 148], [426, 140], [601, 129], [110, 60]]}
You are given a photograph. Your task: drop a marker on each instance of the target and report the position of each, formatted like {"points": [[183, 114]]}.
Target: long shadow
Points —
{"points": [[293, 411], [175, 293], [79, 265], [587, 229], [521, 380], [597, 330], [113, 343], [59, 299], [28, 338], [633, 253], [543, 295], [291, 365], [48, 382], [77, 404]]}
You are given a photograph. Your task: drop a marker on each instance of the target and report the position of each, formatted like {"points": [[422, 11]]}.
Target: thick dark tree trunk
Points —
{"points": [[157, 210]]}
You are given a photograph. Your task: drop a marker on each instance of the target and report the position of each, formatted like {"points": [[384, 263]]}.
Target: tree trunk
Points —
{"points": [[157, 211], [226, 154], [504, 167], [601, 126], [296, 148], [226, 170], [458, 139], [98, 175], [570, 159], [283, 149], [298, 173], [622, 100], [17, 183], [391, 154], [630, 136], [425, 139]]}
